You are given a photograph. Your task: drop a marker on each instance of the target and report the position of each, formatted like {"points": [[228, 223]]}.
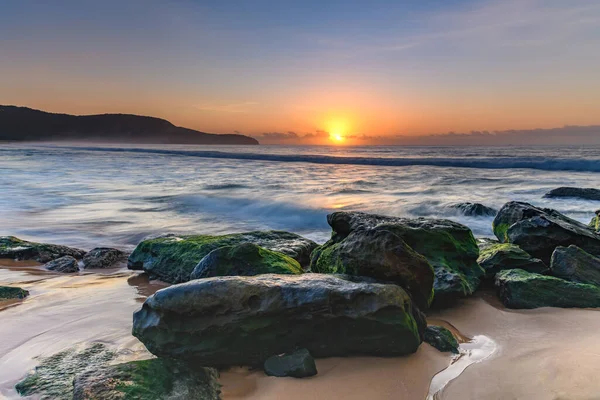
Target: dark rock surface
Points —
{"points": [[299, 364], [103, 257], [441, 338], [12, 247], [573, 264], [573, 192], [65, 264], [497, 257], [474, 209], [11, 292], [231, 321]]}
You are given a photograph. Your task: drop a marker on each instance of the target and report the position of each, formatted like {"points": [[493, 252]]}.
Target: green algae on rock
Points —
{"points": [[234, 320], [441, 338], [573, 264], [448, 246], [245, 259], [494, 258], [15, 248], [11, 292], [173, 258], [299, 364], [52, 379], [522, 289], [152, 379]]}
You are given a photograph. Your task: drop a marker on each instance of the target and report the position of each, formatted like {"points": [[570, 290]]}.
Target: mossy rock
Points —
{"points": [[497, 257], [522, 289], [595, 224], [441, 338], [574, 264], [245, 259], [52, 379], [154, 379], [173, 258], [18, 249], [9, 292]]}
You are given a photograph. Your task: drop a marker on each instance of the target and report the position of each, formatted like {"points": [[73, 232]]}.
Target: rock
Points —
{"points": [[103, 257], [441, 338], [595, 222], [501, 256], [522, 289], [10, 292], [299, 364], [63, 264], [147, 380], [244, 259], [379, 254], [232, 321], [173, 258], [573, 264], [539, 231], [474, 209], [53, 377], [581, 193], [17, 249], [449, 247]]}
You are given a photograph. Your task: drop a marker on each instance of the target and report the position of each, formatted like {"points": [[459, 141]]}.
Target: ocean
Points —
{"points": [[109, 195]]}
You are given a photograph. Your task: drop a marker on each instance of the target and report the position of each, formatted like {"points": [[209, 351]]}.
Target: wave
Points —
{"points": [[539, 163], [225, 186]]}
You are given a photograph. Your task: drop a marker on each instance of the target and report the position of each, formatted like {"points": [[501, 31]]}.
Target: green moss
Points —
{"points": [[501, 231], [595, 224], [497, 257], [441, 338], [8, 292], [53, 377]]}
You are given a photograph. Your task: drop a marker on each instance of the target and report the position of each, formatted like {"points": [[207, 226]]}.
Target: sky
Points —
{"points": [[310, 71]]}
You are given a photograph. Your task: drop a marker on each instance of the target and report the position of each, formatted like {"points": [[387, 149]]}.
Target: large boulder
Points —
{"points": [[228, 321], [244, 259], [299, 364], [574, 192], [494, 258], [12, 292], [573, 264], [474, 209], [449, 247], [522, 289], [380, 254], [147, 380], [64, 264], [539, 231], [15, 248], [173, 258], [103, 257]]}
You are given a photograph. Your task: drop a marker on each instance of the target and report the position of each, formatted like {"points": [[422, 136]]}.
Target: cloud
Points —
{"points": [[243, 107]]}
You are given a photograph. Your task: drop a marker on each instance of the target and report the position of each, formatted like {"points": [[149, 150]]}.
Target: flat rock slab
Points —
{"points": [[17, 249], [573, 192]]}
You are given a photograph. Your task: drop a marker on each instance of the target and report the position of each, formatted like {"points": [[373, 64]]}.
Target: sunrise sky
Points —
{"points": [[347, 68]]}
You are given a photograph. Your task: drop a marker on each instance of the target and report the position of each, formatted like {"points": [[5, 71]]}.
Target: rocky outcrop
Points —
{"points": [[11, 292], [299, 364], [244, 259], [539, 231], [173, 258], [15, 248], [522, 289], [573, 264], [65, 264], [147, 380], [474, 209], [103, 257], [449, 247], [228, 321], [441, 338], [573, 192], [494, 258]]}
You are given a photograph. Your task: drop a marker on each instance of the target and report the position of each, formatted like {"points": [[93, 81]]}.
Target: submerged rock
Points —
{"points": [[522, 289], [11, 292], [380, 254], [245, 259], [497, 257], [103, 257], [539, 231], [52, 379], [581, 193], [474, 209], [299, 364], [12, 247], [441, 338], [63, 264], [573, 264], [147, 380], [231, 321], [448, 246], [173, 258]]}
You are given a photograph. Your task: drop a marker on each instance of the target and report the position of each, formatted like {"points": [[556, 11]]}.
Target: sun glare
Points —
{"points": [[336, 137], [337, 128]]}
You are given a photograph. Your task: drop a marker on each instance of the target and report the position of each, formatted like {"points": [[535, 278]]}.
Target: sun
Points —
{"points": [[336, 137], [337, 128]]}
